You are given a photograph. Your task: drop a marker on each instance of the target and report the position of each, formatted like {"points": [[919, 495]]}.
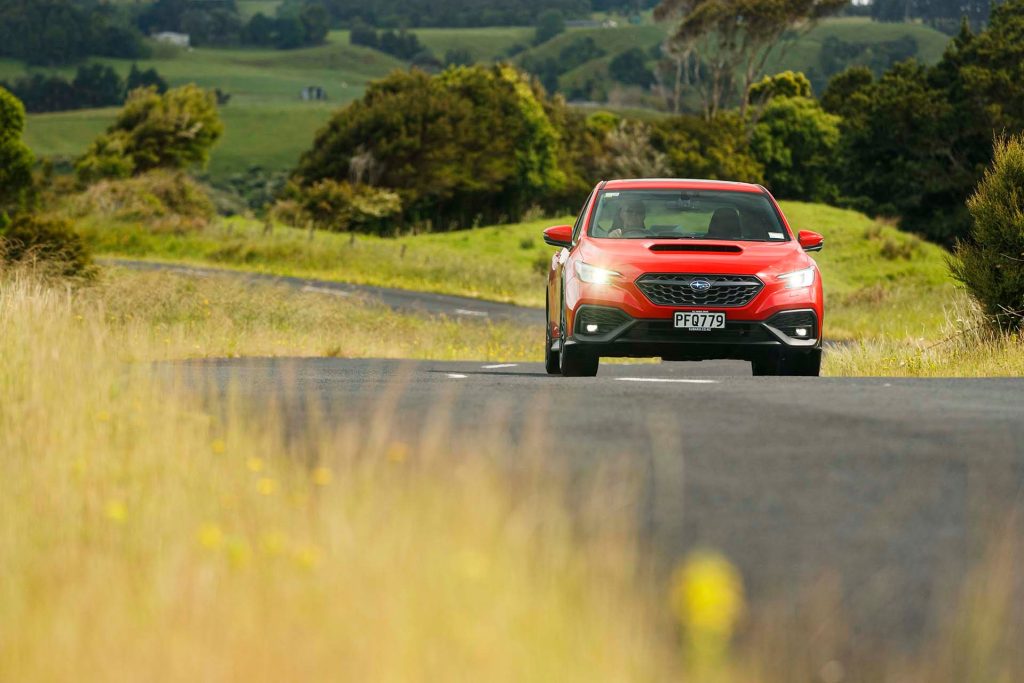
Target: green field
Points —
{"points": [[879, 282], [267, 124]]}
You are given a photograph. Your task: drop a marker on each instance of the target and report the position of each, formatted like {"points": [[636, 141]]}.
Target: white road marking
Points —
{"points": [[466, 311], [663, 379], [499, 366], [452, 375], [325, 290]]}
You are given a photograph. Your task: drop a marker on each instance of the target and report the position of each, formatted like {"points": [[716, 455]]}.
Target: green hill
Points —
{"points": [[266, 123]]}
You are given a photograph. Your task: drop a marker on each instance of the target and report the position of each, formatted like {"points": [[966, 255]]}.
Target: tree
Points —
{"points": [[699, 148], [173, 130], [144, 79], [630, 67], [630, 154], [796, 142], [316, 22], [15, 157], [549, 24], [736, 37], [432, 140], [991, 262]]}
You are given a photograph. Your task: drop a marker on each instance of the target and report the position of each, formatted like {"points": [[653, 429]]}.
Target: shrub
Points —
{"points": [[339, 206], [165, 200], [48, 241], [796, 141], [991, 262], [717, 149], [173, 130], [15, 157]]}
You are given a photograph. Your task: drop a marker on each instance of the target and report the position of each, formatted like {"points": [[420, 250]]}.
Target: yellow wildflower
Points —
{"points": [[267, 486], [322, 476], [254, 464], [210, 536], [707, 599], [218, 446], [308, 557], [116, 511], [103, 416]]}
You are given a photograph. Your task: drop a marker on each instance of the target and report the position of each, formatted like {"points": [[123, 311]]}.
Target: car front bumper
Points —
{"points": [[609, 331]]}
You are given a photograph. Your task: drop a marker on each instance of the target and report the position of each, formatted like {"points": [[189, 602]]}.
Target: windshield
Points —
{"points": [[687, 214]]}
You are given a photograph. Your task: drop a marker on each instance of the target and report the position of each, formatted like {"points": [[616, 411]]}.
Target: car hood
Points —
{"points": [[633, 257]]}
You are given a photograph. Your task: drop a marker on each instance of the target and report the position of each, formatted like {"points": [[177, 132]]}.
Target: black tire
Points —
{"points": [[791, 364], [552, 359], [576, 362]]}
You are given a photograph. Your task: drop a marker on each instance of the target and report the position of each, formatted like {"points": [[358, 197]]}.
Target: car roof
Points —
{"points": [[680, 184]]}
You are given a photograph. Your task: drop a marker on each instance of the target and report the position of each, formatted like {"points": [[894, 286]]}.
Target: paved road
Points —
{"points": [[890, 484], [404, 300]]}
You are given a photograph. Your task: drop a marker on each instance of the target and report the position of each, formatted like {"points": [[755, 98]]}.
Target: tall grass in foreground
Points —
{"points": [[146, 535], [143, 538]]}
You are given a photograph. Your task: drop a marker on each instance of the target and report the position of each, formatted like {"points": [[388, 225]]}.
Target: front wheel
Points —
{"points": [[552, 359], [791, 364], [577, 362]]}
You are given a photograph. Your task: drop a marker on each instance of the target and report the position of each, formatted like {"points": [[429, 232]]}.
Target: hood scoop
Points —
{"points": [[691, 248]]}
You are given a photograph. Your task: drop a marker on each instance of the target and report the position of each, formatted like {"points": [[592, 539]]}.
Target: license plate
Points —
{"points": [[700, 321]]}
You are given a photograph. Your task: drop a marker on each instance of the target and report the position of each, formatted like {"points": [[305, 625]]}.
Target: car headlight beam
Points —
{"points": [[798, 278], [594, 275]]}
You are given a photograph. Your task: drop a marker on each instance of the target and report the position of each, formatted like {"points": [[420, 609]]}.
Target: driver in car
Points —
{"points": [[631, 220]]}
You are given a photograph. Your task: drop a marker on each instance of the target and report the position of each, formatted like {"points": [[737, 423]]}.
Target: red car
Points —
{"points": [[683, 270]]}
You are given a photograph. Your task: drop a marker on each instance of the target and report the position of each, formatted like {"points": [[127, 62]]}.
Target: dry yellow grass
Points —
{"points": [[146, 534], [161, 315], [144, 537], [967, 348]]}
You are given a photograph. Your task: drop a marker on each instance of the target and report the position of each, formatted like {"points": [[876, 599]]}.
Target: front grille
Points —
{"points": [[726, 291], [665, 331], [788, 322], [606, 319]]}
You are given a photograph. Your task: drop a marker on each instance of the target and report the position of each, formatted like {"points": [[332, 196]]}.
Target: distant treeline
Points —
{"points": [[92, 86], [54, 32], [942, 14], [454, 13]]}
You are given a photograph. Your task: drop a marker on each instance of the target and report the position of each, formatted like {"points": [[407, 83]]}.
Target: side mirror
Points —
{"points": [[559, 236], [810, 241]]}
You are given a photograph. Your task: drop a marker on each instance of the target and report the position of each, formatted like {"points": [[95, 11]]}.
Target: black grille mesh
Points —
{"points": [[605, 318], [788, 321], [726, 291]]}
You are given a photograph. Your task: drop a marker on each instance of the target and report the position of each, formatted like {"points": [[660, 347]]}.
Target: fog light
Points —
{"points": [[591, 329], [801, 331]]}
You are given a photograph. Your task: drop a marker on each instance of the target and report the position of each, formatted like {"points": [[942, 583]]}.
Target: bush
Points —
{"points": [[48, 241], [716, 149], [340, 206], [991, 263], [15, 156], [164, 200], [797, 141], [431, 139], [173, 130]]}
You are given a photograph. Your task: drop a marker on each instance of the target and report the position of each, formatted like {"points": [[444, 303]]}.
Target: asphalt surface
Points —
{"points": [[889, 486], [404, 300]]}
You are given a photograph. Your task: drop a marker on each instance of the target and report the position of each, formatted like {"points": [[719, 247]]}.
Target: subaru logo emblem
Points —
{"points": [[700, 285]]}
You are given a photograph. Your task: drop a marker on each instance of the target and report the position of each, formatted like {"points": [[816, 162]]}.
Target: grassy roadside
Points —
{"points": [[879, 282], [166, 316]]}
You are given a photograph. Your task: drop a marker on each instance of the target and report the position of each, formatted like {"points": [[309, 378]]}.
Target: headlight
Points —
{"points": [[593, 275], [798, 278]]}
